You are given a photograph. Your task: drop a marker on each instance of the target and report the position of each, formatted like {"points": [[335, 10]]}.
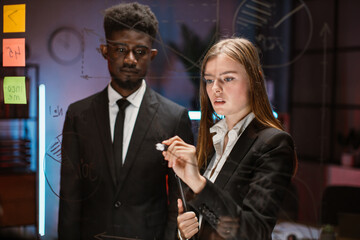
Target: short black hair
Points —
{"points": [[130, 16]]}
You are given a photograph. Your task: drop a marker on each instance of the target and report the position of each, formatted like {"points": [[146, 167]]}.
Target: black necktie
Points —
{"points": [[118, 134]]}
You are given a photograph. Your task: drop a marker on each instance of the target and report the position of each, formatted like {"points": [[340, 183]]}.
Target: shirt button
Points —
{"points": [[117, 204]]}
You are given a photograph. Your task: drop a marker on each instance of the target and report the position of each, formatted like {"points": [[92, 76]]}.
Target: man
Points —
{"points": [[104, 193]]}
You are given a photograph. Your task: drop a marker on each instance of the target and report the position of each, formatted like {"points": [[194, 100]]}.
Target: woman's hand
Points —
{"points": [[181, 158], [187, 222]]}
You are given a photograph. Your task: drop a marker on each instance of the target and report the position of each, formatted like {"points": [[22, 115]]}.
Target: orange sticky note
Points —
{"points": [[14, 18], [14, 52]]}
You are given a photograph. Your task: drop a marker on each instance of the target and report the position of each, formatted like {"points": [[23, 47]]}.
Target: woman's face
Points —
{"points": [[227, 85]]}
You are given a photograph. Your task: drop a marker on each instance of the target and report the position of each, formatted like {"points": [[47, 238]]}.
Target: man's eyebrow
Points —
{"points": [[142, 46], [114, 43]]}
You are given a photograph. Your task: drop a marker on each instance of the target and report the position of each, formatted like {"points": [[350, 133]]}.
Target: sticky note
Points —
{"points": [[14, 52], [14, 18], [14, 90]]}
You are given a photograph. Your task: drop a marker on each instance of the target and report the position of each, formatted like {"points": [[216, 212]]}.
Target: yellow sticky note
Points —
{"points": [[14, 90], [14, 52], [14, 18]]}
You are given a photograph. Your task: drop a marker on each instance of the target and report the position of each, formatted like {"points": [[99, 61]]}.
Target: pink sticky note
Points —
{"points": [[14, 52]]}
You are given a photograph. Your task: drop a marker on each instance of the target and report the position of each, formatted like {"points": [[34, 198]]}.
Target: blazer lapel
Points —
{"points": [[238, 152], [144, 119], [101, 111]]}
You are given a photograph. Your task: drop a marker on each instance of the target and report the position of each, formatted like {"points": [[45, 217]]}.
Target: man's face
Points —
{"points": [[129, 54]]}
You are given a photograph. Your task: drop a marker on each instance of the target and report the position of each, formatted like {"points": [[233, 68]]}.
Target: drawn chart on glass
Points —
{"points": [[269, 22], [85, 170]]}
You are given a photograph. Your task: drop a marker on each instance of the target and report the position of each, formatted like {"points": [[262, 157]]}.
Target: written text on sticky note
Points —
{"points": [[14, 90], [14, 18], [14, 52]]}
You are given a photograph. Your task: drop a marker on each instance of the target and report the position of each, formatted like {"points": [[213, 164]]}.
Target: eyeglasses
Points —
{"points": [[118, 50]]}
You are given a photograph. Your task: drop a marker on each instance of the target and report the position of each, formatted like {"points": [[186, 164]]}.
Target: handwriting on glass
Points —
{"points": [[56, 111]]}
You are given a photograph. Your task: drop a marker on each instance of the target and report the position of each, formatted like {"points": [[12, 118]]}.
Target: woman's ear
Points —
{"points": [[103, 49]]}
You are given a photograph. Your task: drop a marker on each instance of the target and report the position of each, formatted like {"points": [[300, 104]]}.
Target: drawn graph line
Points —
{"points": [[260, 16], [290, 14]]}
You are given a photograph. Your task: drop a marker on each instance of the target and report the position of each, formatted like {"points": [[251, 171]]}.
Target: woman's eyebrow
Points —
{"points": [[208, 74], [223, 73], [227, 72]]}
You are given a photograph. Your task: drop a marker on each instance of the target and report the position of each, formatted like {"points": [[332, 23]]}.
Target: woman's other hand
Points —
{"points": [[187, 222]]}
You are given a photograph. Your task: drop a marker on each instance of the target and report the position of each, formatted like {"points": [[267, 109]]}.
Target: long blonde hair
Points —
{"points": [[244, 52]]}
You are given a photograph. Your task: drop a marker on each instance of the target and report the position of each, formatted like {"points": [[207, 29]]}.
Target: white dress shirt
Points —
{"points": [[220, 156], [131, 113]]}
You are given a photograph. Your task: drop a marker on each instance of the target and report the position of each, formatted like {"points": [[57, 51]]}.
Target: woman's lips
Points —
{"points": [[219, 102]]}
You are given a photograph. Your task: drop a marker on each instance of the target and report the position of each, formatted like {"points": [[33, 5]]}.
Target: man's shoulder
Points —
{"points": [[87, 101], [166, 102]]}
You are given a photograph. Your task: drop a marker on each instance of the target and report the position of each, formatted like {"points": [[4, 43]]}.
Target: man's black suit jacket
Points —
{"points": [[244, 200], [92, 205]]}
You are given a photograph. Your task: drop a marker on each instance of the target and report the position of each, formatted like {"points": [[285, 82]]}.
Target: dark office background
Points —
{"points": [[311, 55]]}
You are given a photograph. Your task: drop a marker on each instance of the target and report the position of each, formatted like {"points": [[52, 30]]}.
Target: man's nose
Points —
{"points": [[130, 58]]}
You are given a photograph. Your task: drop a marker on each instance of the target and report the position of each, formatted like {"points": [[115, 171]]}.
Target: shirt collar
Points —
{"points": [[135, 98], [221, 128]]}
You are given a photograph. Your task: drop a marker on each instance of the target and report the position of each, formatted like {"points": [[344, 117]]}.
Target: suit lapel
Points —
{"points": [[101, 111], [144, 119], [238, 152]]}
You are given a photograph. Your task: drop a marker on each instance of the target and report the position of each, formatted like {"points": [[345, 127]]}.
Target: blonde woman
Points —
{"points": [[242, 165]]}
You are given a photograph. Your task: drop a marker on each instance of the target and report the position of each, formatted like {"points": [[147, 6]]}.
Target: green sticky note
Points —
{"points": [[14, 90]]}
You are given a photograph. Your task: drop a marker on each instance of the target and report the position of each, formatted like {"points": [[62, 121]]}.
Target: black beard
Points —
{"points": [[128, 84]]}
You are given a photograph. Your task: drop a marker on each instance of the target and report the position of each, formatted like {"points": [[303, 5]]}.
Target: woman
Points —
{"points": [[247, 160]]}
